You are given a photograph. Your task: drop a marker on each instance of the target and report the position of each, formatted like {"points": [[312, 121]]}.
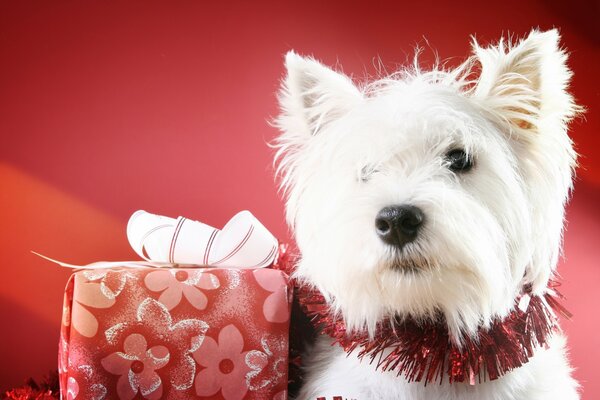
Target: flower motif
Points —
{"points": [[88, 389], [276, 307], [112, 281], [269, 365], [176, 282], [63, 354], [91, 293], [182, 338], [72, 388], [136, 367], [226, 366]]}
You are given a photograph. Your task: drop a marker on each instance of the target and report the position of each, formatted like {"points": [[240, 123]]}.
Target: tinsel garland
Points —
{"points": [[424, 351], [47, 389]]}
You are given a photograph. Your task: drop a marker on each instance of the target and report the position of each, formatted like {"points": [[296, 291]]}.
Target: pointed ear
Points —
{"points": [[526, 83], [313, 95]]}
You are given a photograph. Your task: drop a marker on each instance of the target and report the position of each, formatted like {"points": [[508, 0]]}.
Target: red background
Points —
{"points": [[108, 107]]}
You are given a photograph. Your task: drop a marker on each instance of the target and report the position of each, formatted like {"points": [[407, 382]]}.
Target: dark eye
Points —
{"points": [[366, 172], [459, 161]]}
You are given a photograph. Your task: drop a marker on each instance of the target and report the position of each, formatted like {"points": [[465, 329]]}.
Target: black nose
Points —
{"points": [[399, 225]]}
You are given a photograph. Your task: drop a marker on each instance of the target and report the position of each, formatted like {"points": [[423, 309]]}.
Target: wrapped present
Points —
{"points": [[173, 332]]}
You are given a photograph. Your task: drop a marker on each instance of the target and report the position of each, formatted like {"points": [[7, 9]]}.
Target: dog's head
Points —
{"points": [[427, 192]]}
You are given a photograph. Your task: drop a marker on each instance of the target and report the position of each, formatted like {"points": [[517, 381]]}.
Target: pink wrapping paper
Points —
{"points": [[175, 333]]}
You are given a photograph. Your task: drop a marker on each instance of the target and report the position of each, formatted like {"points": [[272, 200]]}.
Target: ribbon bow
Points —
{"points": [[162, 241], [243, 242]]}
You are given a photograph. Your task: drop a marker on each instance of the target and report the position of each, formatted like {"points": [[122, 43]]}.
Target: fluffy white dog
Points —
{"points": [[430, 193]]}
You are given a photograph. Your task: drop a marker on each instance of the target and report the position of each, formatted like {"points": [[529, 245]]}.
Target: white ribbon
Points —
{"points": [[104, 264], [162, 241], [243, 242]]}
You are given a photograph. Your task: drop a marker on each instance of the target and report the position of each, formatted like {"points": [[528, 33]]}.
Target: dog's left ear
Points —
{"points": [[523, 88], [313, 95], [526, 83]]}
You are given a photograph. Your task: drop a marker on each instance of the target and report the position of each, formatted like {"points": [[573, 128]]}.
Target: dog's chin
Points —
{"points": [[409, 267]]}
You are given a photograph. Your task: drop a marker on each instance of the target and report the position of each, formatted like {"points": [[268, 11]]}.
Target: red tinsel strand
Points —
{"points": [[333, 398], [424, 351], [47, 389]]}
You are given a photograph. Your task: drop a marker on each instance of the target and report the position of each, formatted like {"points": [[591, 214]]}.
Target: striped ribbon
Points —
{"points": [[162, 241], [242, 243]]}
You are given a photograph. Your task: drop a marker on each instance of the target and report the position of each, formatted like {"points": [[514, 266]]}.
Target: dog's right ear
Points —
{"points": [[313, 95]]}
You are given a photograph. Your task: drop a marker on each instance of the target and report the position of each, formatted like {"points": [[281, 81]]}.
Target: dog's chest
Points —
{"points": [[333, 373]]}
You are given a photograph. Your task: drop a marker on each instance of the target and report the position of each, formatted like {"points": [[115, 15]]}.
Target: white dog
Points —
{"points": [[430, 193]]}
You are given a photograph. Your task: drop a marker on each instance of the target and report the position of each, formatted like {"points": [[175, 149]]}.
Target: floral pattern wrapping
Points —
{"points": [[175, 333]]}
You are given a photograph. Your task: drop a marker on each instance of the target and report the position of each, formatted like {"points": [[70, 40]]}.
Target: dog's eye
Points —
{"points": [[459, 161], [366, 172]]}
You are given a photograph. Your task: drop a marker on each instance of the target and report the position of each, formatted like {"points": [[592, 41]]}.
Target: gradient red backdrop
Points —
{"points": [[108, 107]]}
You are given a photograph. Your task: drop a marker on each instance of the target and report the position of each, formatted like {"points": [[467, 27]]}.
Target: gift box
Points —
{"points": [[175, 333]]}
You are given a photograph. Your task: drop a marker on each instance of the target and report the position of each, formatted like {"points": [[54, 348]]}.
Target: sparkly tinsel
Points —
{"points": [[32, 390], [424, 351]]}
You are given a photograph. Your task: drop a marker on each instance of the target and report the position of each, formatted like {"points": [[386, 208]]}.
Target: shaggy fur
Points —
{"points": [[347, 151]]}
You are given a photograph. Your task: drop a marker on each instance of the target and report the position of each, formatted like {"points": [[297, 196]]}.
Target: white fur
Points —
{"points": [[346, 152], [332, 373]]}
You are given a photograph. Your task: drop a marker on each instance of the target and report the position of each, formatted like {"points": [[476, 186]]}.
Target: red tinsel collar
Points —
{"points": [[424, 351]]}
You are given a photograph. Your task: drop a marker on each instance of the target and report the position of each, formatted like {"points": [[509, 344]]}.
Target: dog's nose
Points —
{"points": [[398, 225]]}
